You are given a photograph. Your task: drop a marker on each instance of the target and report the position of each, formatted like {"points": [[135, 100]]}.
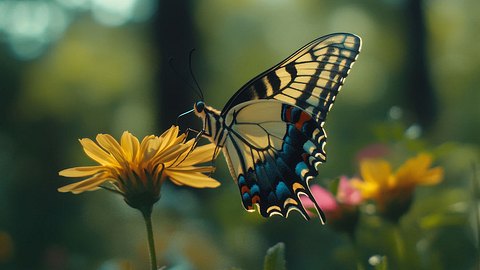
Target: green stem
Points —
{"points": [[399, 244], [476, 198], [147, 216], [356, 251]]}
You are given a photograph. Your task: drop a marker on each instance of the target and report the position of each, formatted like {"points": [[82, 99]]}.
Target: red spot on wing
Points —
{"points": [[244, 189], [288, 114], [255, 199], [304, 117]]}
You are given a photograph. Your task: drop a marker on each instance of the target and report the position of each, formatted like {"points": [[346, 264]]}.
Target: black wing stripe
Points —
{"points": [[237, 148], [260, 89], [274, 81], [292, 70]]}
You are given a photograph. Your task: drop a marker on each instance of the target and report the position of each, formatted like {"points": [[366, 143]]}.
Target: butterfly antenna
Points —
{"points": [[193, 75], [185, 82]]}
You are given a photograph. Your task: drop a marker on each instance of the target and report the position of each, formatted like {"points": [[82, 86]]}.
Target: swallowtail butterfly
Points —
{"points": [[271, 130]]}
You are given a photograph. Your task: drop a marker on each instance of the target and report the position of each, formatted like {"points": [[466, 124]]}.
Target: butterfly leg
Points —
{"points": [[188, 130]]}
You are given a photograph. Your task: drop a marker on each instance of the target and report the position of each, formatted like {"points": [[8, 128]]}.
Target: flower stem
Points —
{"points": [[399, 245], [147, 216]]}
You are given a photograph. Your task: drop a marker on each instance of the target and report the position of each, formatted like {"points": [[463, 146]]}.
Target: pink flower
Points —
{"points": [[347, 194], [324, 198], [333, 206]]}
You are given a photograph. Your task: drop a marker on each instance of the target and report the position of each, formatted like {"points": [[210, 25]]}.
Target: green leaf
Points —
{"points": [[275, 258]]}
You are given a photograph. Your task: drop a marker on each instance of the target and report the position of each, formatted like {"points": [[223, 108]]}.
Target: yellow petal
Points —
{"points": [[416, 171], [168, 136], [377, 171], [89, 184], [96, 153], [130, 145], [196, 180], [201, 154], [171, 154], [111, 145], [369, 190], [432, 176], [148, 148], [414, 165], [145, 142], [204, 169], [81, 171]]}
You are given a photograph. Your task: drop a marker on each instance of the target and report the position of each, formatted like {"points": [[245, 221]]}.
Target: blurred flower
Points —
{"points": [[347, 194], [393, 191], [137, 170], [341, 210]]}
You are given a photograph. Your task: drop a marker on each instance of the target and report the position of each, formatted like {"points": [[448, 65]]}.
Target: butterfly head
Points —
{"points": [[199, 108]]}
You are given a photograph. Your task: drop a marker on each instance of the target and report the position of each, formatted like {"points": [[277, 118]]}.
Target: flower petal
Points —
{"points": [[324, 198], [81, 171], [415, 171], [347, 193], [111, 145], [368, 190], [201, 154], [168, 136], [171, 154], [130, 145], [196, 180], [148, 148], [432, 176], [203, 169], [96, 153], [89, 184], [375, 171]]}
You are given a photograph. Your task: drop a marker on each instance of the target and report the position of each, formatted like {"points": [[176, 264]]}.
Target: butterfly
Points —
{"points": [[271, 130]]}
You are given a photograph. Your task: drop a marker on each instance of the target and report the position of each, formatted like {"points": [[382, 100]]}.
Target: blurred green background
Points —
{"points": [[70, 69]]}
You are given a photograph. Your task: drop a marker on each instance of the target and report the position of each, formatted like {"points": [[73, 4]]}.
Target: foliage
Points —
{"points": [[275, 258]]}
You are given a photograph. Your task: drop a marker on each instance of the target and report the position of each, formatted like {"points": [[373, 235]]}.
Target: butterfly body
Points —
{"points": [[271, 131]]}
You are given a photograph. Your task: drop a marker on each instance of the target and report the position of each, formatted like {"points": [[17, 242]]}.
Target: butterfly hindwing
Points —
{"points": [[272, 150]]}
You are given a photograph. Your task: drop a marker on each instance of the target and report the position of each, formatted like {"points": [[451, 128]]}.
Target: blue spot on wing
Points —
{"points": [[300, 167], [241, 180], [282, 191], [255, 189]]}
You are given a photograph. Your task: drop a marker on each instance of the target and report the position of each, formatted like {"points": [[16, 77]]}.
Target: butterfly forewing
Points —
{"points": [[309, 79]]}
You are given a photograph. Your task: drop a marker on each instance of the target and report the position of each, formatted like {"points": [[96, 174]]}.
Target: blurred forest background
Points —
{"points": [[70, 69]]}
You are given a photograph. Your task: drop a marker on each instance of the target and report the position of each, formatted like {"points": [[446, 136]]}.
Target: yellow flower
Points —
{"points": [[137, 170], [393, 191]]}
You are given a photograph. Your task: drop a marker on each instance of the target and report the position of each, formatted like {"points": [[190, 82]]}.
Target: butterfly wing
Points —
{"points": [[272, 150], [274, 125], [310, 78]]}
